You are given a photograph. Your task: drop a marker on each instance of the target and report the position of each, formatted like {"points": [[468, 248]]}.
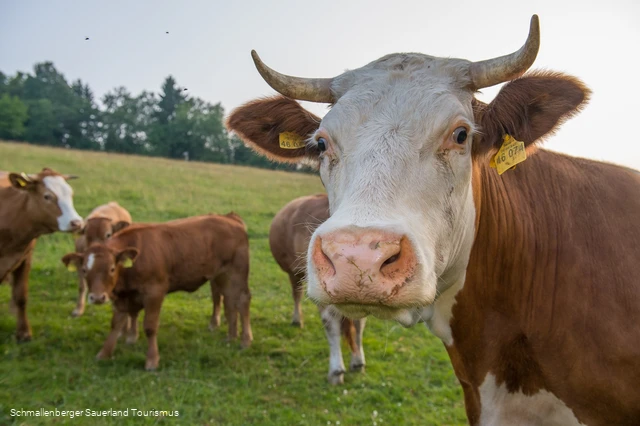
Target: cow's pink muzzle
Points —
{"points": [[363, 265]]}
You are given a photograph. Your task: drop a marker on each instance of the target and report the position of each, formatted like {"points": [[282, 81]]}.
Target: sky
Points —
{"points": [[209, 42]]}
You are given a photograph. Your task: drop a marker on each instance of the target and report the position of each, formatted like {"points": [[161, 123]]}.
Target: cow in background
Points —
{"points": [[30, 206], [289, 236], [100, 225], [140, 265]]}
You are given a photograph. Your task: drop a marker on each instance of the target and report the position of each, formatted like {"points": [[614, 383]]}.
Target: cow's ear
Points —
{"points": [[119, 226], [21, 181], [277, 127], [127, 256], [72, 261], [529, 108]]}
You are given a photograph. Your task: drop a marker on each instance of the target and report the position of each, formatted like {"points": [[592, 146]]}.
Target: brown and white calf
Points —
{"points": [[530, 278], [289, 236], [30, 206], [140, 265], [99, 226]]}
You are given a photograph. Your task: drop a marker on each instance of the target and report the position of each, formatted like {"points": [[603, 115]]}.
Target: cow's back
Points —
{"points": [[292, 227], [112, 210], [4, 179], [185, 252]]}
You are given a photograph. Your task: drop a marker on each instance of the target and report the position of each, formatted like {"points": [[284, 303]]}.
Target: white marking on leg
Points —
{"points": [[90, 260], [500, 407], [64, 193], [331, 321], [357, 358]]}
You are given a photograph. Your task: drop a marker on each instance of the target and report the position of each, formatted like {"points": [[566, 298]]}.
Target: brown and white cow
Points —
{"points": [[530, 278], [140, 265], [100, 225], [289, 236], [30, 206]]}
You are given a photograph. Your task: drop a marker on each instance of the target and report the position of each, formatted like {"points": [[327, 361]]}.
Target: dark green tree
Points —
{"points": [[13, 114]]}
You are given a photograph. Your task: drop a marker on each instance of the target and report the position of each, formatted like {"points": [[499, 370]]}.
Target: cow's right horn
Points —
{"points": [[303, 89], [505, 68]]}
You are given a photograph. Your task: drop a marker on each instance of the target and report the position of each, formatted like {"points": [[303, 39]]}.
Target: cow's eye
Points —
{"points": [[108, 235], [322, 144], [460, 135], [113, 269], [48, 196]]}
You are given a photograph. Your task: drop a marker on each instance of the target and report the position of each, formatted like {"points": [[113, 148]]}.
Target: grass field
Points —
{"points": [[280, 380]]}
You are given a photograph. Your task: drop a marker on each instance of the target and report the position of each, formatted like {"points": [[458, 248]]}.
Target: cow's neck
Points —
{"points": [[16, 232], [494, 302]]}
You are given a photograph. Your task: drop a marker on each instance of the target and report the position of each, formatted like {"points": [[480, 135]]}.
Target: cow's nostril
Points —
{"points": [[390, 260], [323, 263], [328, 260]]}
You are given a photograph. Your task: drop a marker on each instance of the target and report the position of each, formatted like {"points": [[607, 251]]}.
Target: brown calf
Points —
{"points": [[100, 225], [30, 206], [289, 237], [141, 264]]}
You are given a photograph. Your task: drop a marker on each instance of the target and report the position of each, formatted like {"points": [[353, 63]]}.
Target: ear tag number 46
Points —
{"points": [[510, 153]]}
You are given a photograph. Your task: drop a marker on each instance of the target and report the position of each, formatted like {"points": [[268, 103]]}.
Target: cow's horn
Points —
{"points": [[304, 89], [498, 70]]}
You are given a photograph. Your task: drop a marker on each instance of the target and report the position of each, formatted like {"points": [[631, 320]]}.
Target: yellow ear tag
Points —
{"points": [[511, 152], [128, 263], [72, 267], [289, 140]]}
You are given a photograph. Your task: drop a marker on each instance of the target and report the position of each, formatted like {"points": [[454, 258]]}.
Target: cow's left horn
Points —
{"points": [[304, 89], [498, 70]]}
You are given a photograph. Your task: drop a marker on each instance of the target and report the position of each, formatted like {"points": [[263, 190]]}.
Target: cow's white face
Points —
{"points": [[69, 219], [397, 170], [395, 157]]}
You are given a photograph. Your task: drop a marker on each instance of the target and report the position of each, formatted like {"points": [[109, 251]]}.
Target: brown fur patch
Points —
{"points": [[517, 367], [529, 108]]}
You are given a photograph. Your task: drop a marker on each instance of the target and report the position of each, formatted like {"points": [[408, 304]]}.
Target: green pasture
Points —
{"points": [[280, 380]]}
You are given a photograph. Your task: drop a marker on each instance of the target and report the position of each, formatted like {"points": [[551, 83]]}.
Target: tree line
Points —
{"points": [[43, 108]]}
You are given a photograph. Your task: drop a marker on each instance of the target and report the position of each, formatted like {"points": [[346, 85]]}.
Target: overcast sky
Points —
{"points": [[209, 42]]}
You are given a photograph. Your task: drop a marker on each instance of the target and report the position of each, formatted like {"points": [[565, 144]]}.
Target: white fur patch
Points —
{"points": [[332, 330], [64, 193], [90, 260], [499, 407]]}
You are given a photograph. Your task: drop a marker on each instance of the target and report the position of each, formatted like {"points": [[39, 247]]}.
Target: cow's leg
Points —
{"points": [[132, 329], [357, 350], [118, 324], [297, 289], [244, 303], [231, 312], [331, 321], [19, 293], [216, 297], [82, 295], [152, 306]]}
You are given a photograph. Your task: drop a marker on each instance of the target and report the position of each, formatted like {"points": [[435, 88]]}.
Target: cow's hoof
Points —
{"points": [[298, 324], [23, 337], [131, 340], [77, 313], [336, 377], [357, 367], [102, 356], [213, 325], [151, 365]]}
